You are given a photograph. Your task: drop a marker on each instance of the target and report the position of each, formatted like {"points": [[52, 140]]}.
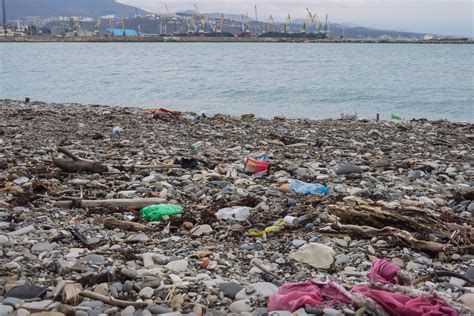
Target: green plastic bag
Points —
{"points": [[396, 117], [160, 212]]}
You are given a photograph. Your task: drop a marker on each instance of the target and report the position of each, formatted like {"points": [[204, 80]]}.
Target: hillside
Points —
{"points": [[92, 8]]}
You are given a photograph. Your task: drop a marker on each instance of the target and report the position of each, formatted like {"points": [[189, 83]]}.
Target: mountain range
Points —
{"points": [[18, 9]]}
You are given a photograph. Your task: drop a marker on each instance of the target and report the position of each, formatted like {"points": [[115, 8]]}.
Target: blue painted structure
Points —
{"points": [[120, 32]]}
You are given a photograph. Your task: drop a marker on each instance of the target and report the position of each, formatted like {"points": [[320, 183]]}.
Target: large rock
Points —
{"points": [[316, 255]]}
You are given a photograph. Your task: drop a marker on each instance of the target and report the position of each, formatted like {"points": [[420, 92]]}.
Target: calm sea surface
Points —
{"points": [[296, 80]]}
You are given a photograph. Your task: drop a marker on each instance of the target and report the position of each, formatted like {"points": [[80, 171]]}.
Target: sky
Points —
{"points": [[448, 17]]}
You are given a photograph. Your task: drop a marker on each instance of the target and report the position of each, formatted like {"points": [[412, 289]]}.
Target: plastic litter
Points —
{"points": [[304, 188], [291, 220], [298, 221], [377, 300], [260, 174], [263, 158], [276, 227], [117, 130], [396, 117], [255, 166], [160, 212], [197, 145], [239, 213]]}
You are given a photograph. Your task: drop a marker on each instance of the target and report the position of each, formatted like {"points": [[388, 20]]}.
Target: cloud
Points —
{"points": [[428, 16]]}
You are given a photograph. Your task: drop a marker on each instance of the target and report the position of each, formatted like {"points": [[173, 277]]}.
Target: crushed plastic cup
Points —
{"points": [[160, 212], [304, 188], [239, 213]]}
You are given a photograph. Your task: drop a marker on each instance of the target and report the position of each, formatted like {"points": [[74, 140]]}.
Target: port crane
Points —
{"points": [[97, 26], [111, 27], [270, 25], [221, 23], [191, 22], [203, 19], [287, 24], [217, 27], [257, 31]]}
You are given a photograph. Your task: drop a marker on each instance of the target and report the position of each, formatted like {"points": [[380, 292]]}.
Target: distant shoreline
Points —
{"points": [[176, 39]]}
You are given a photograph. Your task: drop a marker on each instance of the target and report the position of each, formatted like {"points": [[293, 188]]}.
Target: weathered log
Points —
{"points": [[73, 166], [153, 167], [368, 231], [378, 217], [112, 301], [119, 203], [112, 223]]}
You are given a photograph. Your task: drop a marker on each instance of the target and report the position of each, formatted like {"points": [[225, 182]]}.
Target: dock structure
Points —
{"points": [[203, 39]]}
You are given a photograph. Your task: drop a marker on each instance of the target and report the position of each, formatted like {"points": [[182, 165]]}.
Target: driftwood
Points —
{"points": [[77, 164], [112, 223], [137, 166], [368, 231], [73, 166], [84, 165], [378, 217], [112, 301], [119, 203]]}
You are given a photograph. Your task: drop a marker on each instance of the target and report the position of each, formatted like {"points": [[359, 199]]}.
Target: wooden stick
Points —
{"points": [[68, 153], [112, 223], [119, 203], [112, 301]]}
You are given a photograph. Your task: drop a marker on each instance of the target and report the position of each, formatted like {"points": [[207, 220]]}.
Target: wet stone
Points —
{"points": [[26, 292]]}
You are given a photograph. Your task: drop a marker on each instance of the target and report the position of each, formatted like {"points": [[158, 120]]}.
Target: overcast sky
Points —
{"points": [[454, 17]]}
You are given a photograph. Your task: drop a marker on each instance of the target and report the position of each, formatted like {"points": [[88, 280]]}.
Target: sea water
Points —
{"points": [[303, 80]]}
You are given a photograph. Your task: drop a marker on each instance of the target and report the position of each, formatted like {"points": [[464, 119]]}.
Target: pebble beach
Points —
{"points": [[74, 179]]}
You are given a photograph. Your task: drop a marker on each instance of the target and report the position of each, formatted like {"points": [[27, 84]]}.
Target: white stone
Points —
{"points": [[178, 265], [146, 292]]}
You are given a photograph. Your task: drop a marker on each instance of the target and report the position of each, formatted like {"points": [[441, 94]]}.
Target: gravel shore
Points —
{"points": [[60, 255]]}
